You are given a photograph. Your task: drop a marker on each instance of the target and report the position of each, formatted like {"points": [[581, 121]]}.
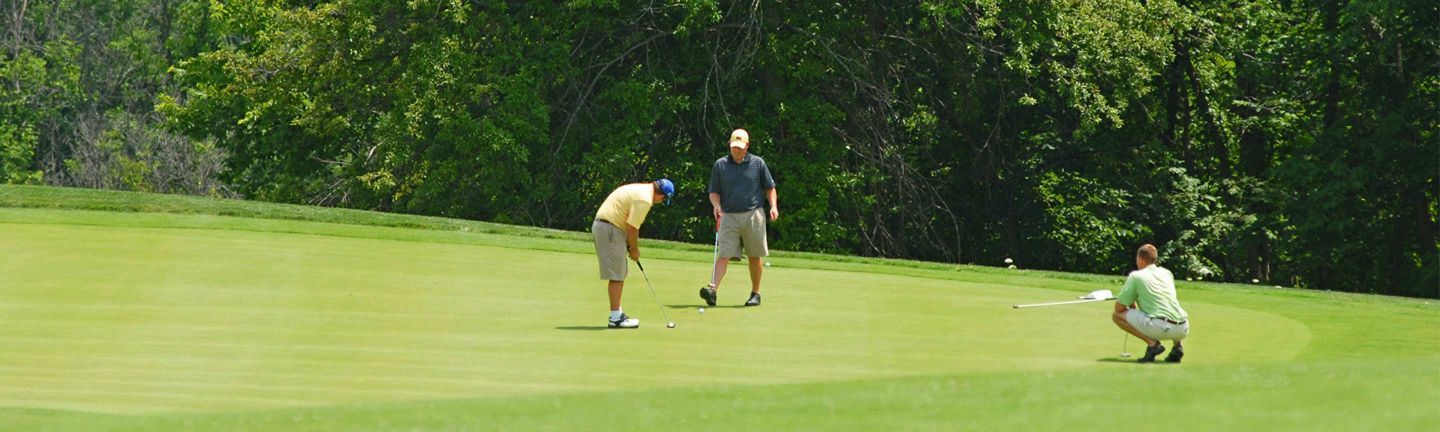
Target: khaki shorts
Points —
{"points": [[747, 229], [610, 248], [1157, 328]]}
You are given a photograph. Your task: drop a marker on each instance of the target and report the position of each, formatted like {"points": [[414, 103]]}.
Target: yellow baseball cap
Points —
{"points": [[740, 138]]}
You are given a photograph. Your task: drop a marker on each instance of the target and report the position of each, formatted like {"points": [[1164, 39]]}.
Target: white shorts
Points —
{"points": [[1157, 328]]}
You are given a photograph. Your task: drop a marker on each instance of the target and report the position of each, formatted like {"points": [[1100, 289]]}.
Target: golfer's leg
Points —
{"points": [[753, 235], [615, 288], [755, 270], [610, 250], [1124, 324], [720, 266], [728, 245]]}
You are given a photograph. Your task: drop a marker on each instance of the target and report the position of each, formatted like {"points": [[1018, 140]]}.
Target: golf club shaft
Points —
{"points": [[716, 261], [652, 292], [1058, 303]]}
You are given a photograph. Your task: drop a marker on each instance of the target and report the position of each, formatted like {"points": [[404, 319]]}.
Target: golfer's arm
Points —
{"points": [[1120, 311], [773, 198], [715, 199], [632, 237]]}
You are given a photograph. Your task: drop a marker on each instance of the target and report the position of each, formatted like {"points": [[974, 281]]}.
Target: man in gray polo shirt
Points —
{"points": [[1148, 308], [742, 193]]}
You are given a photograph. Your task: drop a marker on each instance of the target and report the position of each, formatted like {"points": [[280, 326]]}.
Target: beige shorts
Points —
{"points": [[610, 248], [743, 229], [1157, 328]]}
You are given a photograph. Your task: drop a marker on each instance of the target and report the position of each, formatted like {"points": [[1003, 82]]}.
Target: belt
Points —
{"points": [[605, 222], [1169, 321]]}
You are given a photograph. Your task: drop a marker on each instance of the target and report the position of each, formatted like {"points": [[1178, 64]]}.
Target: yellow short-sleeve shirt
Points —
{"points": [[628, 204]]}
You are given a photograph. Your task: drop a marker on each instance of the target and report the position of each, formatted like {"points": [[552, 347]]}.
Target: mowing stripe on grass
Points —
{"points": [[174, 318]]}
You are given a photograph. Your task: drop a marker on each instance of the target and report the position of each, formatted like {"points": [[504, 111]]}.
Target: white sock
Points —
{"points": [[615, 314]]}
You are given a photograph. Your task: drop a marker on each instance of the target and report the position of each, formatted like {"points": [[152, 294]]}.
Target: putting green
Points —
{"points": [[149, 321]]}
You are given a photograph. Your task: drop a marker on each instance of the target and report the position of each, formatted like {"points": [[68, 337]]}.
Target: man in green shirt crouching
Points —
{"points": [[1147, 307]]}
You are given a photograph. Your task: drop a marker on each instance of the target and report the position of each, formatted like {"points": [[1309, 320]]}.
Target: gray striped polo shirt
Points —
{"points": [[741, 185]]}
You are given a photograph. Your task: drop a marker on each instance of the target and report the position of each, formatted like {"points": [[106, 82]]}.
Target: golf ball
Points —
{"points": [[702, 310], [767, 264], [670, 325]]}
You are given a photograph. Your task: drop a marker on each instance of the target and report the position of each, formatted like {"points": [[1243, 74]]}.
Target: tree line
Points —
{"points": [[1285, 142]]}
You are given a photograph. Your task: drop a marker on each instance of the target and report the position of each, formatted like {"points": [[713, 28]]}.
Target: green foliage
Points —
{"points": [[1292, 143], [1090, 221], [371, 104], [80, 82], [39, 84], [17, 153]]}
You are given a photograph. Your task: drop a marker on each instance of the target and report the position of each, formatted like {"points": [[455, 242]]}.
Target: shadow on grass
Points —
{"points": [[1116, 360], [697, 306], [1131, 361], [581, 328]]}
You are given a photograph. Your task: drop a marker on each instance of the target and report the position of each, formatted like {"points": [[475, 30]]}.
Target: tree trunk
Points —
{"points": [[17, 33], [1212, 127], [1255, 148], [1331, 25], [1176, 108], [165, 26]]}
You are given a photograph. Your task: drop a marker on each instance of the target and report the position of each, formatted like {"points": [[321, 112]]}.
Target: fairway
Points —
{"points": [[161, 321]]}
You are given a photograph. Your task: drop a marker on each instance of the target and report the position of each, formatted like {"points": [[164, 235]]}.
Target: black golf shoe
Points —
{"points": [[1150, 353], [707, 293], [1175, 354], [754, 299]]}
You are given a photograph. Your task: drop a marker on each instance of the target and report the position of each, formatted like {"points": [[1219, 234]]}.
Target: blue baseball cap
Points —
{"points": [[666, 187]]}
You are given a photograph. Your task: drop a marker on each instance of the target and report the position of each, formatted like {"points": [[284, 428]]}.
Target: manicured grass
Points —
{"points": [[142, 312]]}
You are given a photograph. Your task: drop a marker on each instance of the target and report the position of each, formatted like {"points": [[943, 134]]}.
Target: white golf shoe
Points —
{"points": [[624, 322]]}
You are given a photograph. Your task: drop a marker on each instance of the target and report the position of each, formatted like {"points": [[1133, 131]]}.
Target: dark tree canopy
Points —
{"points": [[1291, 142]]}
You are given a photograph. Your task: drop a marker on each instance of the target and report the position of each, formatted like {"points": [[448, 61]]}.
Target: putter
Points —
{"points": [[1094, 296], [1125, 347], [716, 261], [668, 323]]}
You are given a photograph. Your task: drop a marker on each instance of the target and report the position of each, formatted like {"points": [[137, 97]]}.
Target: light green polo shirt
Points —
{"points": [[1154, 289]]}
